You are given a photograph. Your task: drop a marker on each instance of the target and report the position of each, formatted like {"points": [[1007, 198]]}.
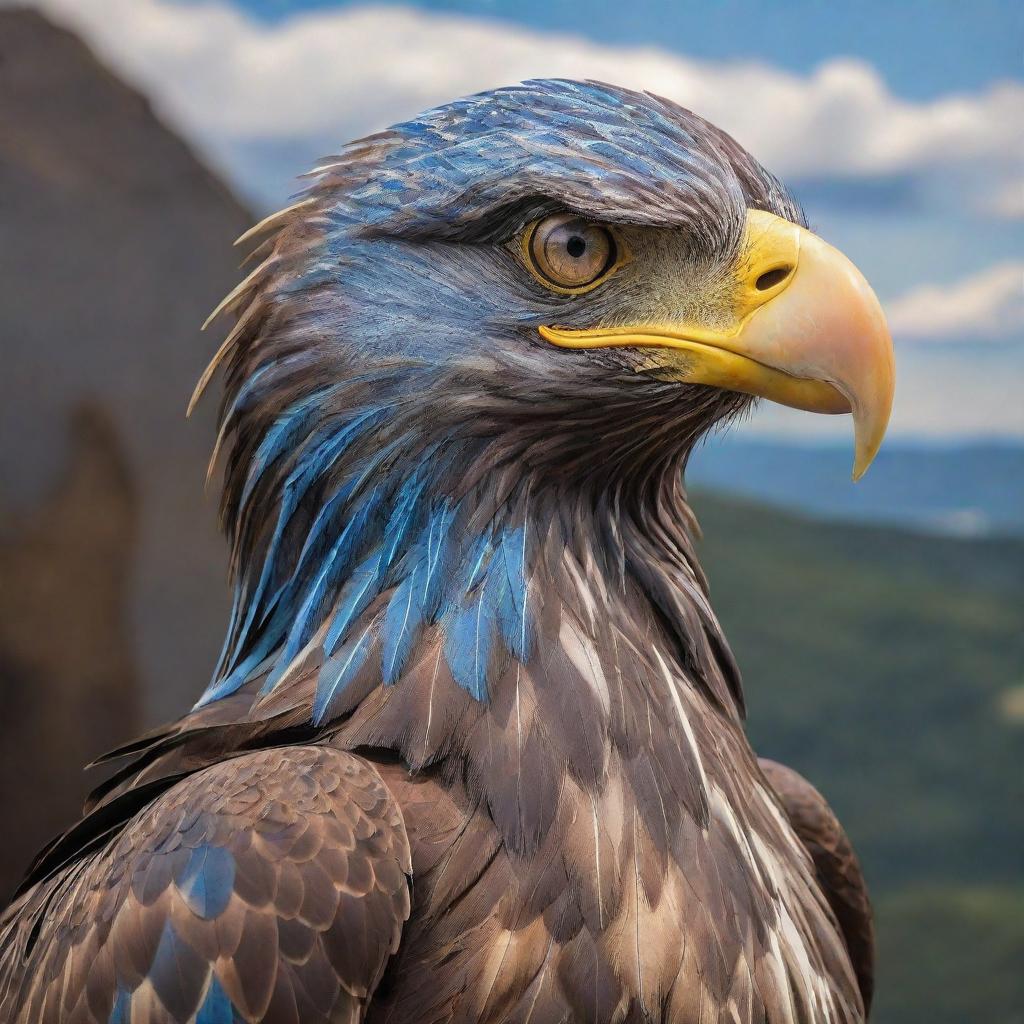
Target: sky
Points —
{"points": [[900, 127]]}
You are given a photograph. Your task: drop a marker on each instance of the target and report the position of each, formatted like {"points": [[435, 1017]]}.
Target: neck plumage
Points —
{"points": [[420, 581]]}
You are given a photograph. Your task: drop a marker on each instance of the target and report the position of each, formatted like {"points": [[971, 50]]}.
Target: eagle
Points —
{"points": [[474, 748]]}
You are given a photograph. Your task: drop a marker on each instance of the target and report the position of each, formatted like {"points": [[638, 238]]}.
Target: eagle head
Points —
{"points": [[557, 284]]}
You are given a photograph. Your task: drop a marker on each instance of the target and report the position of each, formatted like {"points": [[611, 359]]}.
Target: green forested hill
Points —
{"points": [[888, 667]]}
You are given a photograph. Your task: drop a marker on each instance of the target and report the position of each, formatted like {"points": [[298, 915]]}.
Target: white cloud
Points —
{"points": [[988, 306], [229, 82]]}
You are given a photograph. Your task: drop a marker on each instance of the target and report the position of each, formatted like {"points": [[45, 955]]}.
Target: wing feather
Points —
{"points": [[271, 886], [836, 865]]}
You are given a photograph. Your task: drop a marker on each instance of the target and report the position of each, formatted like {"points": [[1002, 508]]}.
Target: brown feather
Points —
{"points": [[836, 865], [119, 917]]}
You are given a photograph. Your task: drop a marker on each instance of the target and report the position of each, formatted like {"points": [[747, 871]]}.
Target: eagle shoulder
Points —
{"points": [[275, 882], [836, 866]]}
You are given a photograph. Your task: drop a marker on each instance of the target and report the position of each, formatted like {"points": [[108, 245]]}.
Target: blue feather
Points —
{"points": [[333, 567], [513, 613], [208, 881], [357, 534], [402, 624], [270, 638], [402, 518], [229, 637], [216, 1007], [237, 677], [337, 672], [362, 587], [325, 569], [171, 961], [366, 580], [473, 566], [245, 392], [469, 637], [325, 518], [278, 439], [438, 544], [416, 598], [122, 1009], [296, 485]]}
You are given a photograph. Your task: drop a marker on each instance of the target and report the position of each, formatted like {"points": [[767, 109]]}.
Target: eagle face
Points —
{"points": [[576, 245]]}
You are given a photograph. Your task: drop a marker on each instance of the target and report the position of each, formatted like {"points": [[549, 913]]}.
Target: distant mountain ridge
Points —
{"points": [[886, 666], [967, 489]]}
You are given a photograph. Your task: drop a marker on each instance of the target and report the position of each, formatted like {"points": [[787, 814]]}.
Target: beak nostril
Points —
{"points": [[770, 278]]}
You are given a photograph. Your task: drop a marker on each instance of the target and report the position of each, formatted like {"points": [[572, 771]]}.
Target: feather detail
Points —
{"points": [[402, 624], [513, 614], [338, 672], [250, 281], [273, 220], [244, 397], [366, 579], [241, 326], [356, 595], [283, 434], [469, 641], [438, 549]]}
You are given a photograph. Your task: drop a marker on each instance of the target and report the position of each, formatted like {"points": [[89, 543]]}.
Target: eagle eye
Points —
{"points": [[568, 253]]}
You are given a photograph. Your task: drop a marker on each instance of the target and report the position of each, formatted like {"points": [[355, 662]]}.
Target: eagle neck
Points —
{"points": [[384, 509], [412, 579]]}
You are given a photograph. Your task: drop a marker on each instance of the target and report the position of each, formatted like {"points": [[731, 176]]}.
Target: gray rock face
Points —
{"points": [[115, 242], [69, 685]]}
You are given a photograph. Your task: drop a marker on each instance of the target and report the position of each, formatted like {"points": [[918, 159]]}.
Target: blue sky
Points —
{"points": [[923, 48], [900, 126]]}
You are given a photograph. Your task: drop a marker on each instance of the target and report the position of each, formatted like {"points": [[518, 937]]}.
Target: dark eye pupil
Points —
{"points": [[575, 247]]}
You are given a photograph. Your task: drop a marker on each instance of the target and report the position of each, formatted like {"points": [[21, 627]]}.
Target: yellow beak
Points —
{"points": [[806, 331]]}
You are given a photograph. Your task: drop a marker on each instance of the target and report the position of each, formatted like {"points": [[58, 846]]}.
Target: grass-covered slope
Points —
{"points": [[888, 667]]}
